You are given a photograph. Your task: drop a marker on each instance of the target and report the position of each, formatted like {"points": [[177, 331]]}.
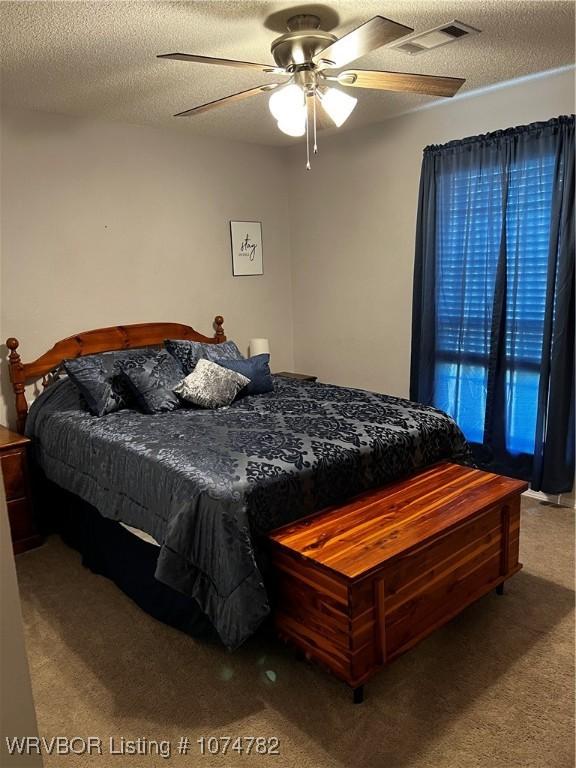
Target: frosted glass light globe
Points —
{"points": [[337, 104], [286, 100], [295, 125]]}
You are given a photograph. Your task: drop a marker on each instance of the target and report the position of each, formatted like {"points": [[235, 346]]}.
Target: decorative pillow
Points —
{"points": [[211, 386], [189, 352], [153, 381], [225, 351], [99, 378], [257, 369], [93, 376]]}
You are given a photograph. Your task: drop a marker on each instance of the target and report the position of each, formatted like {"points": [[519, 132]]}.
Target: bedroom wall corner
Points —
{"points": [[108, 223]]}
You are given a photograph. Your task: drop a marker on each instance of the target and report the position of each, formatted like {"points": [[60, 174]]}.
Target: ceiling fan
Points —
{"points": [[310, 57]]}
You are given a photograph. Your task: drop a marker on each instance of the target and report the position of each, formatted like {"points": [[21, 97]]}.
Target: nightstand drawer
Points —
{"points": [[14, 472]]}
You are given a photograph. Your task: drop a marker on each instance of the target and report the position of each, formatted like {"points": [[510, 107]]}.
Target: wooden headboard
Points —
{"points": [[89, 343]]}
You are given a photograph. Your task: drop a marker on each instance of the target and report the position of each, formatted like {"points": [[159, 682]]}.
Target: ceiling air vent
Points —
{"points": [[434, 38]]}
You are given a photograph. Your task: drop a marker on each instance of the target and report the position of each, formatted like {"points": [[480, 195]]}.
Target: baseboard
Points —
{"points": [[563, 499]]}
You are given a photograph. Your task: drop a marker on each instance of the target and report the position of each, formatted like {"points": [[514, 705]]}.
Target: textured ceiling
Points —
{"points": [[98, 59]]}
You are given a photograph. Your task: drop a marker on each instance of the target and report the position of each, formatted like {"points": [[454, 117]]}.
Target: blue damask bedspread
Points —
{"points": [[207, 485]]}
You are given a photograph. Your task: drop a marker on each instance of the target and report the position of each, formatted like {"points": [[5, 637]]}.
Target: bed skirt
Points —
{"points": [[109, 550]]}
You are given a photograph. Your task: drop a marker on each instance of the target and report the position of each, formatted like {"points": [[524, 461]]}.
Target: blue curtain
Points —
{"points": [[493, 305]]}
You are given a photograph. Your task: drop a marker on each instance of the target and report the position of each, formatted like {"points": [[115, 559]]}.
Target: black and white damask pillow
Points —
{"points": [[211, 386], [189, 352], [93, 377], [99, 378], [227, 350], [152, 380]]}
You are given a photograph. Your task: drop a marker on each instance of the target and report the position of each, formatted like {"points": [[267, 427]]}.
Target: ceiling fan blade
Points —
{"points": [[373, 34], [430, 85], [221, 62], [228, 99]]}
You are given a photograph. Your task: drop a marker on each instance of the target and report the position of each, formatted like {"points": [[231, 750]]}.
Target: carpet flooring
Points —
{"points": [[492, 689]]}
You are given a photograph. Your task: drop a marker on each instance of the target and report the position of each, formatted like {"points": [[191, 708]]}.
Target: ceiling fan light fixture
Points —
{"points": [[311, 57], [337, 104], [295, 125], [286, 101]]}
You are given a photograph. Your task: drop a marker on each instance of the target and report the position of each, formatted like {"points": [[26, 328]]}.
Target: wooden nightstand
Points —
{"points": [[299, 376], [14, 464]]}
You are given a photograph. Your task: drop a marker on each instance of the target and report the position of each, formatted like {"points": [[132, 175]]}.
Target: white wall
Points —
{"points": [[353, 228], [105, 224]]}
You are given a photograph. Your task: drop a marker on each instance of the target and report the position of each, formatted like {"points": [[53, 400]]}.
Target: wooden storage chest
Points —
{"points": [[360, 584]]}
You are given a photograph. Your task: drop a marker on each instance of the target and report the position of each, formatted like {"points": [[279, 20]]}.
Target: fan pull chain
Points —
{"points": [[315, 144], [307, 138]]}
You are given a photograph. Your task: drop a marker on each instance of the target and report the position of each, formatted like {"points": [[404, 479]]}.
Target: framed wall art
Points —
{"points": [[246, 239]]}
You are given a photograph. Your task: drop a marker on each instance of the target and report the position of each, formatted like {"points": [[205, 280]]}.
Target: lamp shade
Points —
{"points": [[337, 104], [288, 106], [259, 347], [285, 101], [295, 125]]}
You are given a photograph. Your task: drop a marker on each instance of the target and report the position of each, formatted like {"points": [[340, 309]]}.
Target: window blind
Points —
{"points": [[471, 233]]}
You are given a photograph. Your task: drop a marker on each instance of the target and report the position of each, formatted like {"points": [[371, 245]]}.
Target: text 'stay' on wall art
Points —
{"points": [[246, 237]]}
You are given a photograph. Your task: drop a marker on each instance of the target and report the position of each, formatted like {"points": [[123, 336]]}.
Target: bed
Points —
{"points": [[207, 485]]}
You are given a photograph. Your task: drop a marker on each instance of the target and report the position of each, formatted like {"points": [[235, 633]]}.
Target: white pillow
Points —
{"points": [[210, 385]]}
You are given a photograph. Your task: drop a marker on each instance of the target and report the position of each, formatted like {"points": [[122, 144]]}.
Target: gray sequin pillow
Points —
{"points": [[211, 386]]}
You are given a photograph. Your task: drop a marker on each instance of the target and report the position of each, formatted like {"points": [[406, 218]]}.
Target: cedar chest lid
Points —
{"points": [[369, 530]]}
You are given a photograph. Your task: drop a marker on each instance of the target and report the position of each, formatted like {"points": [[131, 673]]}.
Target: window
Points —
{"points": [[470, 233]]}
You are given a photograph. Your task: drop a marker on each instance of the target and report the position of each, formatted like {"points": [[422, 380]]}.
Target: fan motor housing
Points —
{"points": [[301, 43]]}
